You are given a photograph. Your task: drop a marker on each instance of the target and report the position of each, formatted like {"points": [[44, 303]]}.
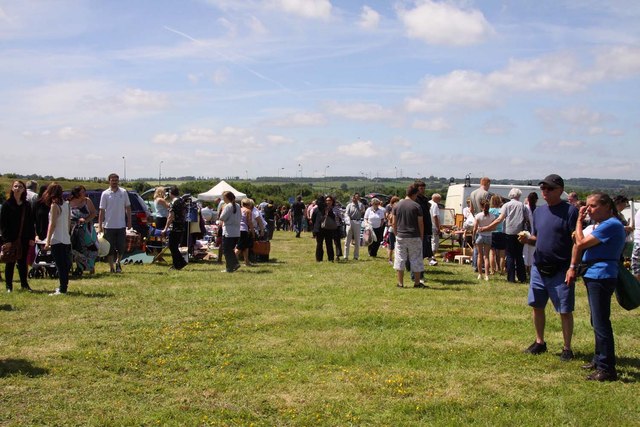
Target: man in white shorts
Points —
{"points": [[408, 227]]}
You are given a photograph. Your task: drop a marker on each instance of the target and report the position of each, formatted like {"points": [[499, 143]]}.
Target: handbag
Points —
{"points": [[329, 223], [628, 289], [10, 252]]}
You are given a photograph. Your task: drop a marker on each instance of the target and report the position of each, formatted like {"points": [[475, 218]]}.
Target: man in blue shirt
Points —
{"points": [[553, 273]]}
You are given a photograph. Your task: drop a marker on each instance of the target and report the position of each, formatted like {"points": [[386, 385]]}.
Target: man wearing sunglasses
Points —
{"points": [[553, 273]]}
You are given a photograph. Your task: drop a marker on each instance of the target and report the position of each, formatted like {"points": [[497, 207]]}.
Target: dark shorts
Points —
{"points": [[498, 241], [245, 241], [117, 238]]}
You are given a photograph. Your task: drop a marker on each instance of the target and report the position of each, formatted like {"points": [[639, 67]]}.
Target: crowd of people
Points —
{"points": [[539, 245]]}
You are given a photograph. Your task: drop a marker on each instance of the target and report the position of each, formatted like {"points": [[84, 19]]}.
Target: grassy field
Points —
{"points": [[295, 342]]}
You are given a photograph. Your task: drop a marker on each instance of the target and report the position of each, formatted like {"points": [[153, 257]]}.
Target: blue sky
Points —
{"points": [[509, 89]]}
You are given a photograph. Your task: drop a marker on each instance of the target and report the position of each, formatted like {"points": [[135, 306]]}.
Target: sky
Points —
{"points": [[221, 88]]}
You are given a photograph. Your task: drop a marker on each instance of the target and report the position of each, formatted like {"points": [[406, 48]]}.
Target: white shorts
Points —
{"points": [[408, 249]]}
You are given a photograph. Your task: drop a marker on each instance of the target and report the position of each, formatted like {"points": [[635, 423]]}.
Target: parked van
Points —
{"points": [[457, 194]]}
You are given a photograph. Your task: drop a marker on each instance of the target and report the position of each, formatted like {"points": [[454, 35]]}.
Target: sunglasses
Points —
{"points": [[548, 188]]}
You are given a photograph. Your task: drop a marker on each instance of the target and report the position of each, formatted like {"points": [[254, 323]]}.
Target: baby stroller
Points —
{"points": [[43, 264]]}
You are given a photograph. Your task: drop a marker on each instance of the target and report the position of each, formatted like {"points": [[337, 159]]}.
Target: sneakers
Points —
{"points": [[433, 262], [536, 348], [566, 355], [602, 375], [56, 293]]}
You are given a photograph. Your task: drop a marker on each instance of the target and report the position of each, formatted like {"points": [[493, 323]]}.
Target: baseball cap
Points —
{"points": [[553, 180]]}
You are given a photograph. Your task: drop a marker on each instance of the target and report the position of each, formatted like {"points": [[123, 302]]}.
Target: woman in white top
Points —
{"points": [[230, 218], [58, 237], [374, 216], [483, 239]]}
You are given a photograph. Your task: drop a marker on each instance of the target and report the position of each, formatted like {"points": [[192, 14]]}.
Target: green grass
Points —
{"points": [[295, 342]]}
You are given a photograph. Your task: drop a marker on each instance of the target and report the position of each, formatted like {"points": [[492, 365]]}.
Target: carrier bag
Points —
{"points": [[628, 289]]}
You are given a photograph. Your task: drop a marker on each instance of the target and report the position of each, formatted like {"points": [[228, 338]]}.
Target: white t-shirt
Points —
{"points": [[61, 231], [374, 218], [434, 211], [114, 204], [483, 221]]}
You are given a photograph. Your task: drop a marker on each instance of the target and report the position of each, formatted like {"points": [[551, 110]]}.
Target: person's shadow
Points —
{"points": [[631, 367], [11, 367]]}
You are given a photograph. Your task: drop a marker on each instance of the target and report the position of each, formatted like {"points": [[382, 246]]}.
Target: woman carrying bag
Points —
{"points": [[324, 227], [601, 249], [18, 233]]}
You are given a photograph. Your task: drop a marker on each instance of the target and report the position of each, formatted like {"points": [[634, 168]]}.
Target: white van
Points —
{"points": [[457, 194]]}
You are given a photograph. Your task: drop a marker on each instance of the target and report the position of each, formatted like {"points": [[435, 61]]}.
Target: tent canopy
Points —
{"points": [[217, 191]]}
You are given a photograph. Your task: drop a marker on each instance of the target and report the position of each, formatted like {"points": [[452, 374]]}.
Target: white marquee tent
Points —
{"points": [[217, 191]]}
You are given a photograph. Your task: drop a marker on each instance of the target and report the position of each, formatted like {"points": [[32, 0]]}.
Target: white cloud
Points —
{"points": [[442, 23], [234, 139], [466, 89], [67, 133], [256, 26], [435, 125], [138, 99], [280, 140], [300, 120], [220, 76], [359, 111], [165, 139], [561, 145], [578, 120], [359, 149], [369, 18], [230, 26], [617, 62], [498, 126], [315, 9], [70, 133], [559, 73]]}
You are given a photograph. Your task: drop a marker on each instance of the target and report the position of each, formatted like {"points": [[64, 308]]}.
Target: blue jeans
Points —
{"points": [[62, 257], [599, 292], [515, 260]]}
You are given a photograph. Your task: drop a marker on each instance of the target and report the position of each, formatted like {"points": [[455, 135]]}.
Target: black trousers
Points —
{"points": [[373, 248], [22, 271], [515, 261], [324, 237], [62, 257], [175, 238]]}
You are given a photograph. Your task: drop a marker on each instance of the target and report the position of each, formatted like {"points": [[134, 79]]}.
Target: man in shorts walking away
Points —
{"points": [[553, 272], [408, 227], [114, 216]]}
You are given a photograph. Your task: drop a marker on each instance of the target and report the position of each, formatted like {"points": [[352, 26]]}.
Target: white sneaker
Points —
{"points": [[57, 292], [433, 262], [486, 277]]}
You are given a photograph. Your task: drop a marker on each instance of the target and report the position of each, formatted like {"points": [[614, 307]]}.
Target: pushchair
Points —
{"points": [[43, 264]]}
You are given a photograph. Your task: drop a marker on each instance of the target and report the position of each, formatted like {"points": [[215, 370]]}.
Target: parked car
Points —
{"points": [[140, 215]]}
